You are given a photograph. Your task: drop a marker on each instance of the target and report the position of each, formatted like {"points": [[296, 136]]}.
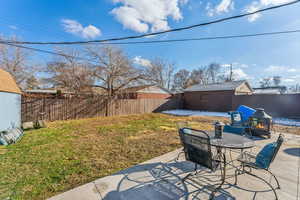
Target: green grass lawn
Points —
{"points": [[70, 153]]}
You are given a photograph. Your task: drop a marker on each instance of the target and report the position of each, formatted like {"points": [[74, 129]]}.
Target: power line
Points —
{"points": [[206, 38], [45, 51], [160, 32], [194, 39], [154, 41]]}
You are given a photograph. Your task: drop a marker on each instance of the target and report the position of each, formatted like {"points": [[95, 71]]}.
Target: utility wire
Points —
{"points": [[154, 41], [45, 51], [160, 32], [204, 38]]}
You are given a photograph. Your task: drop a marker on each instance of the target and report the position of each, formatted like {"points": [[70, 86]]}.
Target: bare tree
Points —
{"points": [[112, 68], [213, 72], [160, 72], [277, 80], [207, 75], [265, 82], [181, 80], [15, 61], [199, 76], [32, 83], [69, 72], [295, 88]]}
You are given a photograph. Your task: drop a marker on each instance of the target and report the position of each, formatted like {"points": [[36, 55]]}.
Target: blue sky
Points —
{"points": [[252, 58]]}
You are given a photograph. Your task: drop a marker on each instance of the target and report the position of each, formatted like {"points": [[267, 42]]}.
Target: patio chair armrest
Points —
{"points": [[247, 157], [248, 153]]}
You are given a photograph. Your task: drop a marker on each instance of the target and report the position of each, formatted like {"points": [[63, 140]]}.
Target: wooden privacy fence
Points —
{"points": [[61, 108], [279, 105]]}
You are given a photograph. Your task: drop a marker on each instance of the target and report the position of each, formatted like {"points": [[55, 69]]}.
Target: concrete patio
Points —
{"points": [[160, 178]]}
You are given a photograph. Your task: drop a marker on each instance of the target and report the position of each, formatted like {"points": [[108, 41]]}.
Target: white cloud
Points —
{"points": [[225, 65], [223, 7], [239, 74], [275, 68], [74, 27], [243, 66], [209, 9], [240, 65], [235, 65], [254, 6], [144, 15], [288, 80], [260, 4], [13, 27], [297, 77], [278, 68], [141, 61], [292, 70]]}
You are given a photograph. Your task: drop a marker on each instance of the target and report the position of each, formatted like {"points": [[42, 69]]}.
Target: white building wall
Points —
{"points": [[10, 110]]}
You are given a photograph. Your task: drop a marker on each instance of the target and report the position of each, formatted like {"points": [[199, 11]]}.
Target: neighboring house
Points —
{"points": [[147, 92], [137, 92], [270, 90], [41, 91], [10, 102], [99, 90], [213, 97], [51, 92]]}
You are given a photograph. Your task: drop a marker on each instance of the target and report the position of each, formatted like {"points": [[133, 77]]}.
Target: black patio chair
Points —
{"points": [[249, 161], [197, 149], [180, 125]]}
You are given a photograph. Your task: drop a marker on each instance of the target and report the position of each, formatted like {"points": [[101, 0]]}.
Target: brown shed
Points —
{"points": [[215, 97]]}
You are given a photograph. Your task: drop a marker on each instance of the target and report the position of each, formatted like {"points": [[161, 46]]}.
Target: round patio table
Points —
{"points": [[228, 141]]}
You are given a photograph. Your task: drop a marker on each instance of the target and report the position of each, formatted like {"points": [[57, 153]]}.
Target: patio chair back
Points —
{"points": [[236, 118], [181, 125], [197, 147], [279, 143]]}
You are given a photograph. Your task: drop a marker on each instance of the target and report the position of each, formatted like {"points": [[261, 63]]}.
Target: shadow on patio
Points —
{"points": [[161, 179]]}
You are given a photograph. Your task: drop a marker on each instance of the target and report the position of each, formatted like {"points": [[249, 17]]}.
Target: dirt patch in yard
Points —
{"points": [[286, 129]]}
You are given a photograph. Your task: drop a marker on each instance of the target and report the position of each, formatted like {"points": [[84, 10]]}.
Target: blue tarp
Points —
{"points": [[246, 112]]}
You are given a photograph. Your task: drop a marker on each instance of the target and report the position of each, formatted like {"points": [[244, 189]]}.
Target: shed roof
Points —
{"points": [[7, 83], [270, 90], [226, 86], [266, 91]]}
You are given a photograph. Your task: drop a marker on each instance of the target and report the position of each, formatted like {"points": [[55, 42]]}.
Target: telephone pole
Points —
{"points": [[231, 73]]}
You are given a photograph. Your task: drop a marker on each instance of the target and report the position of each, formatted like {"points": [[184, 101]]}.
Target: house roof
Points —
{"points": [[142, 87], [226, 86], [136, 88], [46, 91], [97, 89], [266, 91], [7, 83], [270, 90]]}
